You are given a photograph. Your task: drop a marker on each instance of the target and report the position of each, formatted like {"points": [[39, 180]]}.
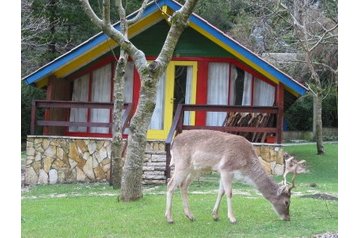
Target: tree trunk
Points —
{"points": [[117, 144], [131, 188], [319, 130]]}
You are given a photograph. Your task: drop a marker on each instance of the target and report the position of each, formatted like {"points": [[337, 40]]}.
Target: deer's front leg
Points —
{"points": [[215, 212], [226, 178]]}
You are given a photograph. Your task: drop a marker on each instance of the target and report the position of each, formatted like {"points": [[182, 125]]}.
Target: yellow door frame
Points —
{"points": [[169, 99]]}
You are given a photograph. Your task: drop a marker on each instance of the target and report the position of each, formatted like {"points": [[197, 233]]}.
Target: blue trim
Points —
{"points": [[101, 37]]}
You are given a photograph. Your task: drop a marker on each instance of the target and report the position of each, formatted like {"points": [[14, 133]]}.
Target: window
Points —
{"points": [[230, 85], [96, 86]]}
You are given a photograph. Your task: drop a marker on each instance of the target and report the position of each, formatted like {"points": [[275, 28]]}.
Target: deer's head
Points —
{"points": [[283, 199]]}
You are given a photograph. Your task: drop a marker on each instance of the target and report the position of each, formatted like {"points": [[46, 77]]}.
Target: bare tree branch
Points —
{"points": [[106, 12], [178, 22], [323, 37], [139, 14]]}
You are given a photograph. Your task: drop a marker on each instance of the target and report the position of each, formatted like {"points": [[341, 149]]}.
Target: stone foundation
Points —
{"points": [[57, 159]]}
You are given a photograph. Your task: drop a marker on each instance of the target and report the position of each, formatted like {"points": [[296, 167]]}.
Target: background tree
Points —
{"points": [[149, 73], [304, 33], [318, 41]]}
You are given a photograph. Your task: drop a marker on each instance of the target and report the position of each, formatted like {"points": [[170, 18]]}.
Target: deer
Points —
{"points": [[232, 156]]}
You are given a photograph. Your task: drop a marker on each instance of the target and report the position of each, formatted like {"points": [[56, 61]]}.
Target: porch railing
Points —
{"points": [[56, 104], [178, 126]]}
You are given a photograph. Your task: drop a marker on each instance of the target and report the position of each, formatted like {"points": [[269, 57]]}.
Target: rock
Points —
{"points": [[102, 154], [50, 151], [58, 164], [92, 147], [81, 177], [47, 162], [43, 177], [73, 154], [45, 143], [52, 176], [100, 174], [106, 168], [81, 146], [30, 176], [30, 151], [72, 163], [60, 153], [99, 145], [38, 156], [36, 165], [88, 169]]}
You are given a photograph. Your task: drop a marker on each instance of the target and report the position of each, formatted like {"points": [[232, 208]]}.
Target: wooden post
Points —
{"points": [[280, 104], [33, 118]]}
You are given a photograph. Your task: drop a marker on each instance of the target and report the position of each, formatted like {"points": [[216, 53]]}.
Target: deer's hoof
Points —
{"points": [[233, 221], [170, 220], [190, 217], [215, 217]]}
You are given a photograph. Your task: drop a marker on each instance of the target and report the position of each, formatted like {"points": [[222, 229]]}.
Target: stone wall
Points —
{"points": [[52, 159], [56, 159]]}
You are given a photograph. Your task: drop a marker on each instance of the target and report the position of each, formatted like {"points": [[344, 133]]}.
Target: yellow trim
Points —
{"points": [[233, 52], [168, 99], [42, 83]]}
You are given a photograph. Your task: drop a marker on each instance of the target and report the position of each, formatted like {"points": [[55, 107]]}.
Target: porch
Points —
{"points": [[58, 158]]}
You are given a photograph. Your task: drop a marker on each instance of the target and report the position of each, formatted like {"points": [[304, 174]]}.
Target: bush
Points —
{"points": [[28, 94], [299, 116]]}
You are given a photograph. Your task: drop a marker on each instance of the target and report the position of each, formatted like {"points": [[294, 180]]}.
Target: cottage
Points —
{"points": [[208, 68]]}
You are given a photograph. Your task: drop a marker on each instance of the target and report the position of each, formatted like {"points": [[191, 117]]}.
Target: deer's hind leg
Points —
{"points": [[185, 198], [178, 178]]}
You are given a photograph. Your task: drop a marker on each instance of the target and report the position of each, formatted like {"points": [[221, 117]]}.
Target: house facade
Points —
{"points": [[208, 68]]}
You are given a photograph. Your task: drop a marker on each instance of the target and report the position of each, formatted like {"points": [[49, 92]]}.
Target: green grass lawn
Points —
{"points": [[92, 210]]}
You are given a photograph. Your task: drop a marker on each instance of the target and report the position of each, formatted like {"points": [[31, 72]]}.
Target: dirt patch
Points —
{"points": [[322, 196]]}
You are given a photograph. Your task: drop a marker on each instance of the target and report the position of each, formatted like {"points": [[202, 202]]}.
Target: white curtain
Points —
{"points": [[233, 77], [158, 114], [188, 92], [246, 97], [218, 88], [79, 94], [101, 92], [264, 93]]}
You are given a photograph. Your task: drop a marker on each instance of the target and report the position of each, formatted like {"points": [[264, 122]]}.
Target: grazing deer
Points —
{"points": [[231, 156], [293, 166]]}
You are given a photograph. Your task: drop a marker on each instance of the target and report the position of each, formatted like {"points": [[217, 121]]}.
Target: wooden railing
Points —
{"points": [[47, 104], [178, 126]]}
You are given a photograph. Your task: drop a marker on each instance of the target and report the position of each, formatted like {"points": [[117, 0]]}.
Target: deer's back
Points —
{"points": [[206, 149]]}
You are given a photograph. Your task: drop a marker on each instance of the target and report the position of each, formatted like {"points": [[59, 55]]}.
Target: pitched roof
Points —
{"points": [[100, 44]]}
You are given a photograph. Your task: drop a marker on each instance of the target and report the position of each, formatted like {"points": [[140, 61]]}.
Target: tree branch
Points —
{"points": [[178, 21], [139, 14], [137, 55], [106, 12], [91, 14], [322, 37]]}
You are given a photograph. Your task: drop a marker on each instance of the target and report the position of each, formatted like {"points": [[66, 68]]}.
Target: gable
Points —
{"points": [[191, 43]]}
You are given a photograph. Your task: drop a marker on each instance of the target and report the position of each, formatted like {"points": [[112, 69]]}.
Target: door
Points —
{"points": [[177, 86]]}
